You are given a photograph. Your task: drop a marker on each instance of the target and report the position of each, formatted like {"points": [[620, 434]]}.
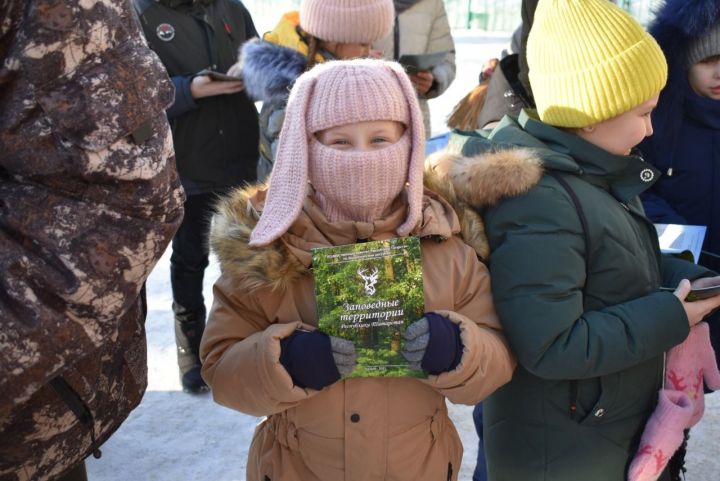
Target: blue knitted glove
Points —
{"points": [[316, 360], [432, 343]]}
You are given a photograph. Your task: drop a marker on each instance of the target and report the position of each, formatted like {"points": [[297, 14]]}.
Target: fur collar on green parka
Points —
{"points": [[474, 182]]}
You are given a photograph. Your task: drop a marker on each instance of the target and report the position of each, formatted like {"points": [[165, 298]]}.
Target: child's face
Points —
{"points": [[704, 77], [362, 136], [621, 133], [347, 51]]}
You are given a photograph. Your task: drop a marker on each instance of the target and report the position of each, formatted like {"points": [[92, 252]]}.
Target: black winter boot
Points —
{"points": [[189, 328]]}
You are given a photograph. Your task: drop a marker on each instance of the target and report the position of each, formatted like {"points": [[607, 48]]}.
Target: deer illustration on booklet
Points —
{"points": [[370, 280]]}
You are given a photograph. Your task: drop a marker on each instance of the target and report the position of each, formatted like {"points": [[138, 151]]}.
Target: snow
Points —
{"points": [[174, 436]]}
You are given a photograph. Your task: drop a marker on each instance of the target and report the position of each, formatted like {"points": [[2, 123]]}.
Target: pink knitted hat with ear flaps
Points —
{"points": [[333, 94], [347, 21]]}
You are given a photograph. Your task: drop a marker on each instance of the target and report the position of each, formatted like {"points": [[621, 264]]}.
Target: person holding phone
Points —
{"points": [[319, 31], [422, 27], [687, 125], [576, 266], [215, 132]]}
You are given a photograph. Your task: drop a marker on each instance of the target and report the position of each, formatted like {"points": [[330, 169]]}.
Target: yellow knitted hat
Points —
{"points": [[590, 61]]}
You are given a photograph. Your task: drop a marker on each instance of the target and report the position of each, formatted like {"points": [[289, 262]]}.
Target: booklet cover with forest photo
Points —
{"points": [[369, 293]]}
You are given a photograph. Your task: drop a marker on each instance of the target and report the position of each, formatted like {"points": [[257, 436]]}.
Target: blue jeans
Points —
{"points": [[480, 473]]}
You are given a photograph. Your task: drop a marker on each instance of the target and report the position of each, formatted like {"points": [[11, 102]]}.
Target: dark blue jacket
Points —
{"points": [[689, 190], [684, 146], [686, 142]]}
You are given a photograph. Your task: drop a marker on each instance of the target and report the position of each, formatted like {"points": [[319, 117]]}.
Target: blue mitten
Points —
{"points": [[316, 360], [432, 343]]}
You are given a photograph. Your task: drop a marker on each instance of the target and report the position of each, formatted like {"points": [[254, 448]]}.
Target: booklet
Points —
{"points": [[369, 293], [422, 62], [682, 240]]}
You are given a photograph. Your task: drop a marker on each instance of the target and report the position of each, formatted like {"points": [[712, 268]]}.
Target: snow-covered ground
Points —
{"points": [[174, 436]]}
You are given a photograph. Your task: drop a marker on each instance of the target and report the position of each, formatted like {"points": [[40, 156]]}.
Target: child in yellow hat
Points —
{"points": [[575, 263]]}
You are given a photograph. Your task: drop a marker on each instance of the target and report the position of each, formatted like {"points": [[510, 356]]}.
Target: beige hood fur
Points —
{"points": [[466, 183], [287, 259]]}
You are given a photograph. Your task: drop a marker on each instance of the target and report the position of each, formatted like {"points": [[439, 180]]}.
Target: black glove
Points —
{"points": [[316, 360], [432, 343]]}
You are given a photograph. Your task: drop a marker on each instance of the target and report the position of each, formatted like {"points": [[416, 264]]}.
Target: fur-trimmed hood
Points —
{"points": [[270, 70], [679, 21], [287, 259], [677, 24], [270, 66], [474, 182]]}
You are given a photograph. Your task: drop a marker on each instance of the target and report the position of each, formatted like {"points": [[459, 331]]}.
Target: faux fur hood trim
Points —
{"points": [[471, 183], [270, 70], [270, 266], [691, 18], [485, 179], [279, 265], [677, 24]]}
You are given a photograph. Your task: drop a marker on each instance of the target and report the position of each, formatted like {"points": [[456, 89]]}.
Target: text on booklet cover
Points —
{"points": [[369, 293]]}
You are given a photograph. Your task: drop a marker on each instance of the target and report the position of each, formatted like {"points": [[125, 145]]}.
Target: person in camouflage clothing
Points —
{"points": [[89, 199]]}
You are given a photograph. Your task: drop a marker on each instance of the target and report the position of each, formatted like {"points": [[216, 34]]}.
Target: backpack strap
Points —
{"points": [[581, 215], [573, 392]]}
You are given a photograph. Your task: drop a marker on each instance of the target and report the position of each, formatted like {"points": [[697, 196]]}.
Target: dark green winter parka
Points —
{"points": [[584, 316]]}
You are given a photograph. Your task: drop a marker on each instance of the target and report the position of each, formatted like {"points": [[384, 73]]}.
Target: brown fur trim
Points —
{"points": [[473, 228], [469, 183], [271, 266], [485, 179]]}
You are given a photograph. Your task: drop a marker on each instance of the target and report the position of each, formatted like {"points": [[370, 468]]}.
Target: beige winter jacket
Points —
{"points": [[359, 429], [424, 28]]}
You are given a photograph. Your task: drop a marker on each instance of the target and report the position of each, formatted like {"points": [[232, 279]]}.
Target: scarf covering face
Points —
{"points": [[358, 186], [402, 5]]}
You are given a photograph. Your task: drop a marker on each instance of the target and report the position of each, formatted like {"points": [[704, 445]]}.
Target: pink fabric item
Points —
{"points": [[681, 404], [663, 435], [333, 94], [691, 362], [347, 21], [358, 186]]}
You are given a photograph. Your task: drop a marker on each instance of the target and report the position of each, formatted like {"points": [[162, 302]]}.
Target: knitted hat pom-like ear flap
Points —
{"points": [[417, 153], [288, 180]]}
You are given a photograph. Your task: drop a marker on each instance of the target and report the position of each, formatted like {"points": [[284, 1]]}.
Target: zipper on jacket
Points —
{"points": [[573, 396], [228, 30], [79, 409]]}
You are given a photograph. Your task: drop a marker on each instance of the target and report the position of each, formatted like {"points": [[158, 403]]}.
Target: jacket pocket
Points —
{"points": [[109, 96], [431, 450], [623, 396]]}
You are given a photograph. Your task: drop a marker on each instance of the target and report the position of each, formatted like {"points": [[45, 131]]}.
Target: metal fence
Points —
{"points": [[485, 15]]}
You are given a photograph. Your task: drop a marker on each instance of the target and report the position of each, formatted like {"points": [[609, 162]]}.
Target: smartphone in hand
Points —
{"points": [[222, 77], [698, 293]]}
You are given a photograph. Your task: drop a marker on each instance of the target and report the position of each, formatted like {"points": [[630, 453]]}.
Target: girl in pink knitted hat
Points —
{"points": [[321, 30], [349, 169]]}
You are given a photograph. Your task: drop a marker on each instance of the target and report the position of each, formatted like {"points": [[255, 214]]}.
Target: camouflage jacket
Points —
{"points": [[89, 199]]}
